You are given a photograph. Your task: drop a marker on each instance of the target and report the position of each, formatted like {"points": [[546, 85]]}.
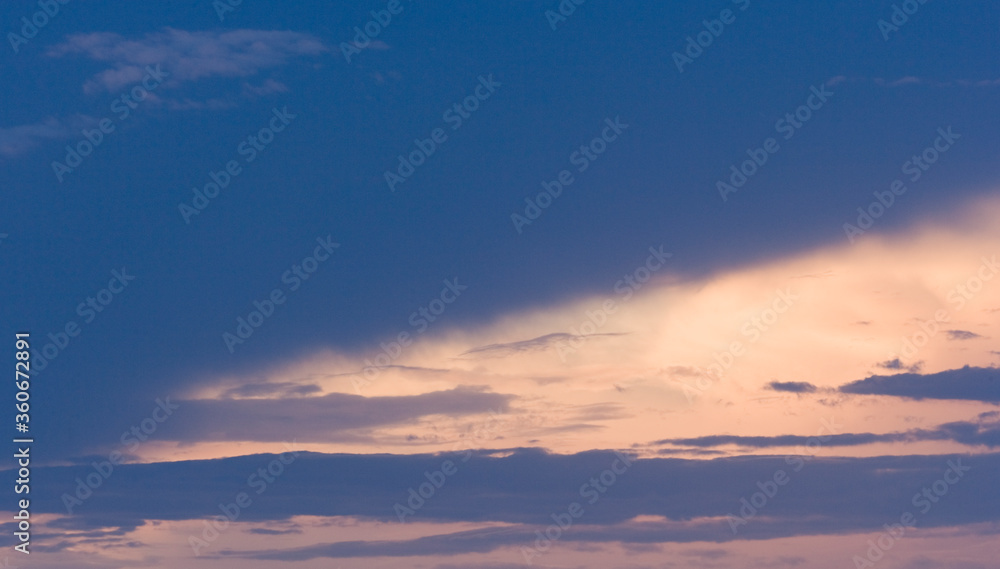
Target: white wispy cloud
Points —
{"points": [[187, 56], [18, 139]]}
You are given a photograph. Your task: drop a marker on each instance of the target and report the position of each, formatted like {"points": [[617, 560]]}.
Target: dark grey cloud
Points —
{"points": [[266, 531], [846, 439], [691, 451], [962, 335], [898, 365], [271, 389], [632, 535], [330, 417], [985, 431], [792, 386], [967, 383], [360, 371], [826, 495], [541, 343]]}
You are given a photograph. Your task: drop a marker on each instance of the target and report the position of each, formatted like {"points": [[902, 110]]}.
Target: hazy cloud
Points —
{"points": [[187, 56]]}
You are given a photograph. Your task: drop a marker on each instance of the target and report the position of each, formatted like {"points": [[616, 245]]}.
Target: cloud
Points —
{"points": [[266, 531], [962, 335], [540, 343], [911, 80], [187, 56], [846, 439], [329, 417], [269, 87], [18, 139], [985, 432], [908, 80], [966, 384], [269, 389], [526, 486], [792, 386], [897, 364]]}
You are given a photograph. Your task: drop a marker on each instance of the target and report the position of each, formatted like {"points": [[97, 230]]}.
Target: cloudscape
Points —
{"points": [[558, 283]]}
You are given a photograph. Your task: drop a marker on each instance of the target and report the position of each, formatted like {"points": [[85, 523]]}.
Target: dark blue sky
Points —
{"points": [[346, 124], [323, 175]]}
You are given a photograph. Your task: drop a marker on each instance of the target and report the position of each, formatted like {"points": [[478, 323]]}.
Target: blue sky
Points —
{"points": [[538, 91]]}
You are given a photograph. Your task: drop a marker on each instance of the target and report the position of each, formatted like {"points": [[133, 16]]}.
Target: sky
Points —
{"points": [[547, 284]]}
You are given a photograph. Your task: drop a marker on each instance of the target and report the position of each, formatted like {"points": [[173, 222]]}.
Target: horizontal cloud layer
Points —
{"points": [[528, 486], [967, 383]]}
